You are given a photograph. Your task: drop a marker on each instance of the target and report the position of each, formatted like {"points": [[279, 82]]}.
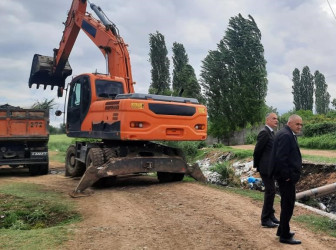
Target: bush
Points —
{"points": [[227, 173], [251, 138], [315, 129], [326, 141], [217, 145]]}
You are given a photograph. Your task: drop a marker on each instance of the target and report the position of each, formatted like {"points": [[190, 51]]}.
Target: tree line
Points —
{"points": [[233, 79], [305, 85]]}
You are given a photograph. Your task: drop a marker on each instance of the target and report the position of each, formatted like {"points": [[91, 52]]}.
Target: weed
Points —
{"points": [[227, 173], [318, 223]]}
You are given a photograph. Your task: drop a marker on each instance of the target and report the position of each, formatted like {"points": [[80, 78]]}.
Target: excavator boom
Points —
{"points": [[53, 71]]}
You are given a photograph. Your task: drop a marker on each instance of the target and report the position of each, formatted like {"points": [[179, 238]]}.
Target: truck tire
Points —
{"points": [[95, 157], [73, 167], [98, 157]]}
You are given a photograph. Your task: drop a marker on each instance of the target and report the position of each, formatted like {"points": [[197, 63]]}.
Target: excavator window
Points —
{"points": [[108, 89], [75, 95]]}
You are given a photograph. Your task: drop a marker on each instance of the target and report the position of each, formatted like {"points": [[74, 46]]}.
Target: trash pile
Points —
{"points": [[249, 178]]}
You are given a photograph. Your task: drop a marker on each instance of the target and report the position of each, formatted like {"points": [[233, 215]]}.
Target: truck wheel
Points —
{"points": [[98, 157], [169, 177], [95, 157], [73, 167]]}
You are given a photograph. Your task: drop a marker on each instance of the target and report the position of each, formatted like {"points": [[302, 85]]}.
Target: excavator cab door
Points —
{"points": [[78, 104]]}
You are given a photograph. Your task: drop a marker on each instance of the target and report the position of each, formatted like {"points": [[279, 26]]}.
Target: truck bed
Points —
{"points": [[18, 124]]}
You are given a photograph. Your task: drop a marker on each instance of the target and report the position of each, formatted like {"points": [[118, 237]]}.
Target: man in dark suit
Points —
{"points": [[287, 164], [261, 161]]}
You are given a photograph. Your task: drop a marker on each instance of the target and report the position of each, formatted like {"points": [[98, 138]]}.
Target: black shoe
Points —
{"points": [[290, 233], [291, 241], [269, 224], [275, 220]]}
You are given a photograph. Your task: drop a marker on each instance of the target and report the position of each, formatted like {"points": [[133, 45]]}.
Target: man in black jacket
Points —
{"points": [[287, 164], [261, 161]]}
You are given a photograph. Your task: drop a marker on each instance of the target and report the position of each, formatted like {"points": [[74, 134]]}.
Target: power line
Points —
{"points": [[331, 9]]}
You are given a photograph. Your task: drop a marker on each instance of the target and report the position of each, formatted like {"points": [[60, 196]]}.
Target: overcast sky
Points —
{"points": [[295, 33]]}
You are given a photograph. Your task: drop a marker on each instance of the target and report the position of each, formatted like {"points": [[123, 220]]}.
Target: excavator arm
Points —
{"points": [[54, 70]]}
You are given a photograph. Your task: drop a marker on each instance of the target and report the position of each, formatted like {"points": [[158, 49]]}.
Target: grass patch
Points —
{"points": [[59, 145], [318, 159], [32, 218], [318, 223]]}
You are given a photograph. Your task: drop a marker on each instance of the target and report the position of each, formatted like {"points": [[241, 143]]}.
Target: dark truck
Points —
{"points": [[24, 136]]}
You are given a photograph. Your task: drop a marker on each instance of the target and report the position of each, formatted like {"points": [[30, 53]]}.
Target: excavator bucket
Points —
{"points": [[42, 72]]}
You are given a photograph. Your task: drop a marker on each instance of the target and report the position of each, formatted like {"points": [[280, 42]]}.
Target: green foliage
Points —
{"points": [[54, 130], [217, 145], [303, 89], [326, 141], [306, 115], [234, 78], [251, 138], [45, 104], [34, 231], [322, 97], [21, 210], [333, 103], [297, 89], [59, 142], [160, 64], [227, 173], [331, 114], [190, 84], [318, 223], [316, 129], [180, 60], [307, 83]]}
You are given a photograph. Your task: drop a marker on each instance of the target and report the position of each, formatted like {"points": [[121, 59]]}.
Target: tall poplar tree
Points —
{"points": [[191, 87], [307, 84], [322, 97], [234, 77], [297, 89], [180, 60], [158, 57]]}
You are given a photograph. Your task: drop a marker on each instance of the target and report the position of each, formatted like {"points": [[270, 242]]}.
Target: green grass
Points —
{"points": [[33, 218], [319, 159], [58, 144], [318, 223]]}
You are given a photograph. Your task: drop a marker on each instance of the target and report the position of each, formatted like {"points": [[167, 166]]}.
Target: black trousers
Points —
{"points": [[287, 193], [268, 210]]}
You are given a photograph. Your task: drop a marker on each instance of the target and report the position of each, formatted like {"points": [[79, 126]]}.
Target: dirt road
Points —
{"points": [[140, 213]]}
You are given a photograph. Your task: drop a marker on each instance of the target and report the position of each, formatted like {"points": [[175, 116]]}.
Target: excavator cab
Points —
{"points": [[43, 72]]}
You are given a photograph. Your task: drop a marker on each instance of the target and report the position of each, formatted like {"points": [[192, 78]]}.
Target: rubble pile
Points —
{"points": [[245, 171], [314, 175]]}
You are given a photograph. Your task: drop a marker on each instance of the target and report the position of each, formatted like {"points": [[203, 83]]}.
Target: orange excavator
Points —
{"points": [[105, 107]]}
